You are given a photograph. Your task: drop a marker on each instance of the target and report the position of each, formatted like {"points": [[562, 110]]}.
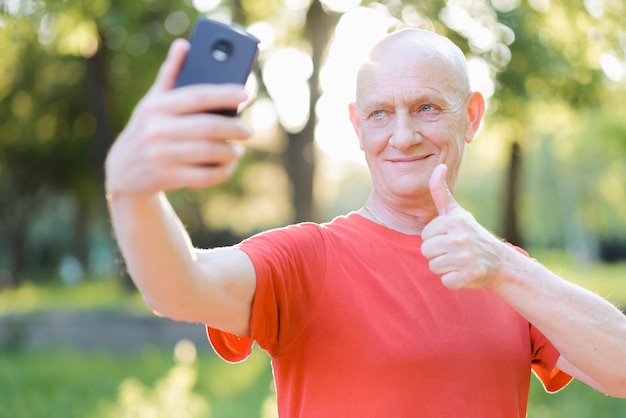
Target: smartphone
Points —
{"points": [[219, 53]]}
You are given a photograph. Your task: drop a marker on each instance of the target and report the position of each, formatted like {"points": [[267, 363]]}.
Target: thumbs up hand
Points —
{"points": [[459, 249]]}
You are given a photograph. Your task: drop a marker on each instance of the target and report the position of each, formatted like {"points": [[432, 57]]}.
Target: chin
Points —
{"points": [[411, 191]]}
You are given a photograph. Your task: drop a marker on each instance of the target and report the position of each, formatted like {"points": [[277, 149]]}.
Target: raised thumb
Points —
{"points": [[442, 197]]}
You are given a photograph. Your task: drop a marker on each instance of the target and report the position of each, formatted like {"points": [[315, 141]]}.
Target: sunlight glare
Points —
{"points": [[176, 22], [12, 7], [480, 76], [47, 32], [267, 131], [185, 352], [612, 66], [473, 22], [540, 6], [505, 6], [355, 34], [501, 55], [263, 115], [264, 32], [285, 74], [340, 6], [297, 4], [204, 6], [595, 8], [456, 17]]}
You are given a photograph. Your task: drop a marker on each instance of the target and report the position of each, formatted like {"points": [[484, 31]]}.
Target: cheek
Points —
{"points": [[450, 135], [373, 140]]}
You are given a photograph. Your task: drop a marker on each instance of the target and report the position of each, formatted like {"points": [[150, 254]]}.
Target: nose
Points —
{"points": [[405, 132]]}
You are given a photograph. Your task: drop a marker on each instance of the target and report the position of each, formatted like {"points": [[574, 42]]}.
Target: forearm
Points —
{"points": [[586, 329], [157, 251]]}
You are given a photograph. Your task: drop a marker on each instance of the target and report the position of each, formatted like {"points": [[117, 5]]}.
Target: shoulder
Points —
{"points": [[304, 231]]}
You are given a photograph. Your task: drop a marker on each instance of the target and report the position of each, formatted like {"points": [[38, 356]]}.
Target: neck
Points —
{"points": [[408, 220]]}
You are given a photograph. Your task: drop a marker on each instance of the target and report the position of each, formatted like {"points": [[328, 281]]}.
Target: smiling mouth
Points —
{"points": [[410, 159]]}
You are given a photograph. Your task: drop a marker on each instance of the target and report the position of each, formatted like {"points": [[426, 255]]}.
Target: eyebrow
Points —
{"points": [[430, 96]]}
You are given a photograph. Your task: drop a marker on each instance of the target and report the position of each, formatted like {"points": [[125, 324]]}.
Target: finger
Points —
{"points": [[436, 227], [453, 280], [200, 127], [439, 191], [166, 78], [197, 98], [433, 247], [208, 153], [202, 176]]}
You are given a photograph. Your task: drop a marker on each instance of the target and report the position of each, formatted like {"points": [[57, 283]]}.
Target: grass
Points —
{"points": [[147, 383], [156, 384], [576, 400]]}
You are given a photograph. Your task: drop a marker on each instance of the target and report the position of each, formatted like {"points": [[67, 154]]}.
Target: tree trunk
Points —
{"points": [[300, 154], [512, 190], [94, 203]]}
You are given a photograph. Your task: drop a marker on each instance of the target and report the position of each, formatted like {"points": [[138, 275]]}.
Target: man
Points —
{"points": [[405, 308]]}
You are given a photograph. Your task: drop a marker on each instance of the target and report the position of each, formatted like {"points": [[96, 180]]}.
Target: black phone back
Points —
{"points": [[219, 54]]}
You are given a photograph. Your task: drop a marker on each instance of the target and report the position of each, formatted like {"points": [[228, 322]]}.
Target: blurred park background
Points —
{"points": [[546, 171]]}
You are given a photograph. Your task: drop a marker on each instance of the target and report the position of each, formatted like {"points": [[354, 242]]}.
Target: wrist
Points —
{"points": [[511, 260]]}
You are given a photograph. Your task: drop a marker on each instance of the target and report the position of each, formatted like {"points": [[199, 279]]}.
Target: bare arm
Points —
{"points": [[212, 287], [169, 143], [587, 330]]}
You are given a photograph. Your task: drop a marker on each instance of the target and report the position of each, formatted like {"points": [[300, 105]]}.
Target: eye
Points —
{"points": [[376, 114], [427, 108]]}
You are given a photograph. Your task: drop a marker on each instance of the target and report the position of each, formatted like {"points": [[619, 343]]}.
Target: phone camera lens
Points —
{"points": [[221, 50]]}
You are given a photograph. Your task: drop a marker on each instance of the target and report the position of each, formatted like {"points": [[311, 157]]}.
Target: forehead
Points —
{"points": [[407, 78], [414, 61]]}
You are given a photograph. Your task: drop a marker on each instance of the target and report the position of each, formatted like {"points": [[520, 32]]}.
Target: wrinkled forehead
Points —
{"points": [[417, 57]]}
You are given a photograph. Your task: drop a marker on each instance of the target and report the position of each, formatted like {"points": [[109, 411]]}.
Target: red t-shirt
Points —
{"points": [[358, 326]]}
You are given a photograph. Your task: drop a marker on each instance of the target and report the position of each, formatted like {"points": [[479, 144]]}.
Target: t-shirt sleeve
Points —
{"points": [[545, 356], [229, 347], [289, 264]]}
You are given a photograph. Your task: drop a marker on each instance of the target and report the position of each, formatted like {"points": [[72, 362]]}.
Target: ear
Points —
{"points": [[355, 118], [475, 112]]}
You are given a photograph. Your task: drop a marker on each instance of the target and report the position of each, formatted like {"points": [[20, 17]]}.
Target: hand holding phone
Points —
{"points": [[219, 53]]}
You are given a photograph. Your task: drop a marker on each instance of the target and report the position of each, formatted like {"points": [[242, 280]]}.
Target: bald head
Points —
{"points": [[417, 48]]}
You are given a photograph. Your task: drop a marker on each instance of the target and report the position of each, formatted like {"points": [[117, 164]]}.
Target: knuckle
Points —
{"points": [[461, 242], [194, 98], [155, 131], [210, 128], [148, 105], [198, 98], [156, 154]]}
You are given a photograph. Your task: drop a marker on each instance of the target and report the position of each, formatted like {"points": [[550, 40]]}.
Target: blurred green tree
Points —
{"points": [[72, 72], [68, 84]]}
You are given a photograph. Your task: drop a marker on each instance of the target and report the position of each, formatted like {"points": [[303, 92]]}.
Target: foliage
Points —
{"points": [[72, 72], [65, 89]]}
